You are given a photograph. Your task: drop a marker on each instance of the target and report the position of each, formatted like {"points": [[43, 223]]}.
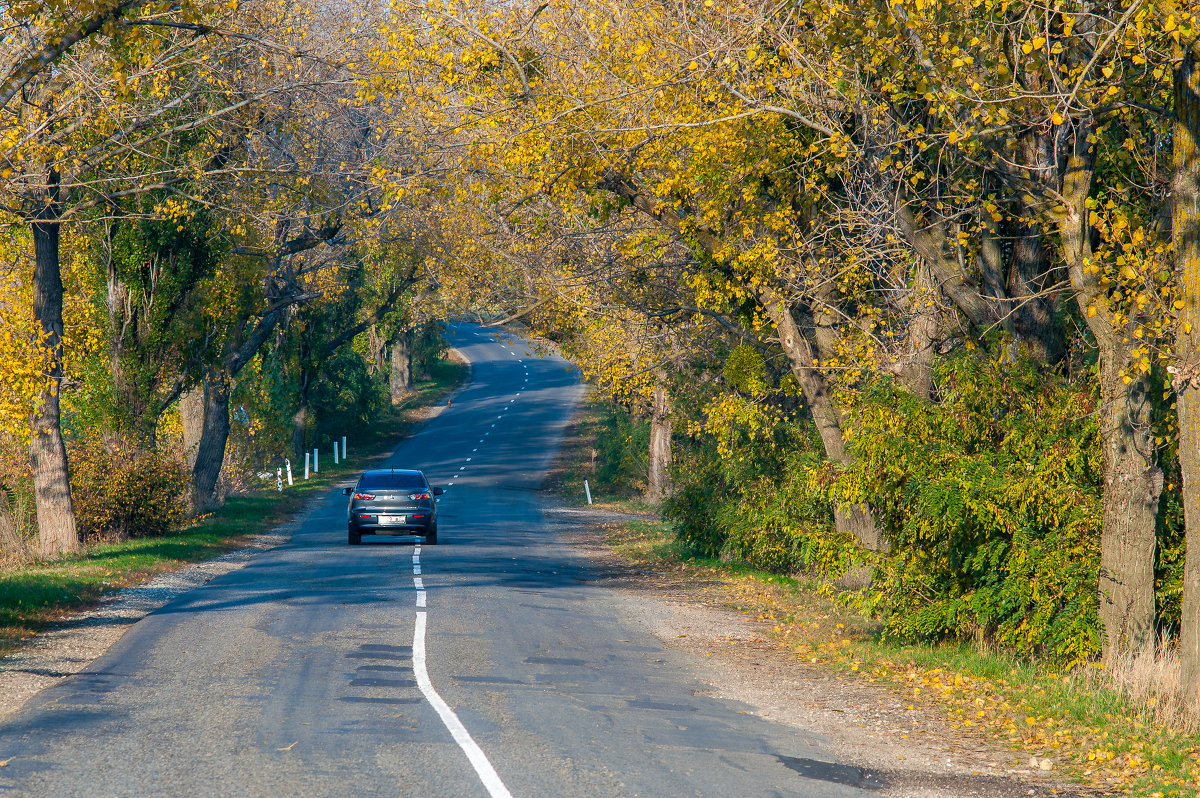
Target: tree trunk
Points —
{"points": [[855, 520], [191, 415], [300, 419], [210, 452], [1132, 481], [1132, 485], [377, 351], [916, 367], [51, 474], [401, 377], [1185, 230], [300, 432], [1033, 312], [658, 484]]}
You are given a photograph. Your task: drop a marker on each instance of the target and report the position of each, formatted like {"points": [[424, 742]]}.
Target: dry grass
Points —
{"points": [[16, 535], [1152, 680]]}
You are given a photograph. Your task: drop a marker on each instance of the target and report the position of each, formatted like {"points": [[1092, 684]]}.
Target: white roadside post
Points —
{"points": [[279, 479], [335, 453], [306, 459], [288, 463], [343, 447], [316, 460], [588, 490]]}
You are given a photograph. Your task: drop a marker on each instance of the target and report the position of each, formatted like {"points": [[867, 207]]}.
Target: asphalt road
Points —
{"points": [[502, 667]]}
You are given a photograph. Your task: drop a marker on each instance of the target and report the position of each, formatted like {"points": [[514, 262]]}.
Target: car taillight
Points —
{"points": [[421, 496], [367, 496]]}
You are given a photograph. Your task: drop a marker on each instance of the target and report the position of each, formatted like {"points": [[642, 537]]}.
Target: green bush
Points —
{"points": [[757, 503], [990, 500], [622, 452], [124, 491]]}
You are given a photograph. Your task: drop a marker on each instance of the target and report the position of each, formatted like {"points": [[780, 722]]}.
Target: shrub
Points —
{"points": [[122, 490], [990, 500], [622, 452]]}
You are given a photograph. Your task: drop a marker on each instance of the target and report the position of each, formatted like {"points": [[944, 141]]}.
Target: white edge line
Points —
{"points": [[487, 774]]}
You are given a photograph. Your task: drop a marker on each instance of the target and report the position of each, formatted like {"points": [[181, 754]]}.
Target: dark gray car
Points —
{"points": [[392, 501]]}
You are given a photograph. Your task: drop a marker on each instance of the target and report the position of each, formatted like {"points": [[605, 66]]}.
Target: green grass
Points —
{"points": [[37, 594]]}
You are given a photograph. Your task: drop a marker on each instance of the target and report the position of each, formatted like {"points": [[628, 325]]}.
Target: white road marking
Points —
{"points": [[416, 569], [468, 459], [418, 584], [476, 448], [487, 774], [420, 598], [448, 484]]}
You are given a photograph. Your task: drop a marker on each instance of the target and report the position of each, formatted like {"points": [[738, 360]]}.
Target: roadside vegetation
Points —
{"points": [[35, 592], [1132, 738]]}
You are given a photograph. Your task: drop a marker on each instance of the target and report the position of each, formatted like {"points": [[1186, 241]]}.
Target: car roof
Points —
{"points": [[374, 471]]}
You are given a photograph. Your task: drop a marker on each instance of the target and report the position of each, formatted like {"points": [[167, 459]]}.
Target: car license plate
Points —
{"points": [[392, 520]]}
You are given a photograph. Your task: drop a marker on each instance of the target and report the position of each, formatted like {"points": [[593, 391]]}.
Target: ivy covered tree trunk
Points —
{"points": [[1132, 480], [401, 377], [658, 483], [1185, 229], [855, 520], [57, 530]]}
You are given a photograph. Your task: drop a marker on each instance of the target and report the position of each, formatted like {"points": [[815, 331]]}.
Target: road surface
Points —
{"points": [[491, 664]]}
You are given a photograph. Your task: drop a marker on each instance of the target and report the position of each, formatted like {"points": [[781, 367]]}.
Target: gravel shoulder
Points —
{"points": [[892, 749], [70, 645]]}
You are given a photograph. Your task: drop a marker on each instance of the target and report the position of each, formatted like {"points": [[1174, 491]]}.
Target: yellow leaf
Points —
{"points": [[1056, 118]]}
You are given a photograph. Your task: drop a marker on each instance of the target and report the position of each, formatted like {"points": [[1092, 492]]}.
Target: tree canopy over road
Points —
{"points": [[909, 289]]}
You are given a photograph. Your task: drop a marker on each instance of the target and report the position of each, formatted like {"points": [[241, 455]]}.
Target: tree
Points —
{"points": [[158, 105]]}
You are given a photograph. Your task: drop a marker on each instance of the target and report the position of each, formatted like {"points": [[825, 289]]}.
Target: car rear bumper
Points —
{"points": [[418, 523]]}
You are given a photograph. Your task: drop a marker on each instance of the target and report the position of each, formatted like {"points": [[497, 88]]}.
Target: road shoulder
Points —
{"points": [[911, 751]]}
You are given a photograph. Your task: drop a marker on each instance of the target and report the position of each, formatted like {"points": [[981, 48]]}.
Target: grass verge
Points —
{"points": [[35, 595]]}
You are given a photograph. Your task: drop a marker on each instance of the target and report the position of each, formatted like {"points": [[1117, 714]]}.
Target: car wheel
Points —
{"points": [[431, 537], [354, 538]]}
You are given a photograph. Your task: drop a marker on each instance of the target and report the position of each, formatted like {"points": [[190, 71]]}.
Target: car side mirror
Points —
{"points": [[347, 491], [438, 491]]}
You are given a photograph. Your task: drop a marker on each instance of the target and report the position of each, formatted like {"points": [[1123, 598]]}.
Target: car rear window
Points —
{"points": [[392, 482]]}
